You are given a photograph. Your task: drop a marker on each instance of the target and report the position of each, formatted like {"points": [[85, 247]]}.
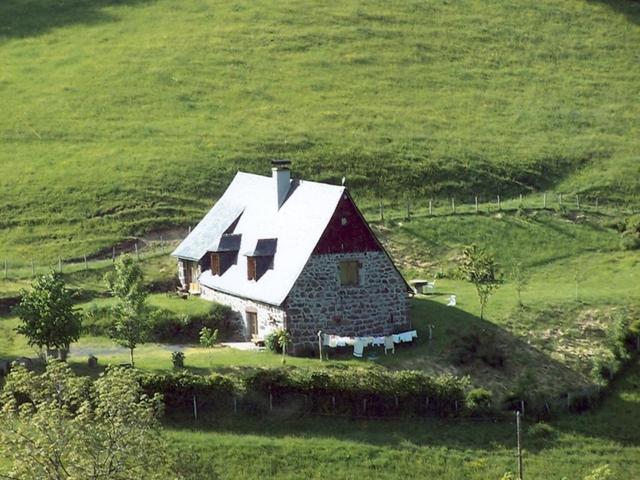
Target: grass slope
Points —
{"points": [[122, 116]]}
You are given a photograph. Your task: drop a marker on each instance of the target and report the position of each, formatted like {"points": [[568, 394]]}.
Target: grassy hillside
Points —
{"points": [[121, 116]]}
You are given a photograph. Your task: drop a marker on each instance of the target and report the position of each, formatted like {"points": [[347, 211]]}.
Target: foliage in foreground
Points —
{"points": [[59, 426]]}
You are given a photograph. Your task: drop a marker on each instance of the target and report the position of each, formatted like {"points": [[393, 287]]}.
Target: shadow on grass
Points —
{"points": [[629, 8], [28, 18]]}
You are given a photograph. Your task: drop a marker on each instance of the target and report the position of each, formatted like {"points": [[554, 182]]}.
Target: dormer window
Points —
{"points": [[261, 258], [225, 253]]}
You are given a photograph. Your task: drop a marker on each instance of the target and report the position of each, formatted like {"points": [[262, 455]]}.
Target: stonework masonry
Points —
{"points": [[379, 305], [269, 317]]}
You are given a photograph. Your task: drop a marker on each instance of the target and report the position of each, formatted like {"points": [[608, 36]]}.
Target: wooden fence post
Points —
{"points": [[6, 268], [195, 408], [476, 204], [113, 254], [86, 265], [521, 200], [499, 208], [519, 446], [430, 206], [578, 202], [453, 205], [544, 201]]}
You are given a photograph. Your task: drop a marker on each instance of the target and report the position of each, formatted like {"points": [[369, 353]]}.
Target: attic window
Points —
{"points": [[350, 273], [343, 221], [261, 258]]}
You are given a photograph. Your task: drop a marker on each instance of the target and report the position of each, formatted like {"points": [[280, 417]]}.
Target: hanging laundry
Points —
{"points": [[389, 345], [358, 348]]}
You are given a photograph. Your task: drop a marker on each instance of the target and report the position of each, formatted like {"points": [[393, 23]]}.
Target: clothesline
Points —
{"points": [[359, 343]]}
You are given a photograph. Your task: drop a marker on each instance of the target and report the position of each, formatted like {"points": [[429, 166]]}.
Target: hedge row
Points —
{"points": [[356, 391]]}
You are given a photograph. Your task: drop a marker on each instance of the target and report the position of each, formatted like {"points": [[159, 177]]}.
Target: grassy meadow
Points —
{"points": [[292, 448], [126, 116]]}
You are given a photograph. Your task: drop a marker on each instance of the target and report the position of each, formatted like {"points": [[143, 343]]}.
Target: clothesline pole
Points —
{"points": [[320, 343]]}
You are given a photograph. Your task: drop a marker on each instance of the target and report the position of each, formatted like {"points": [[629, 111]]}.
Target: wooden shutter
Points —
{"points": [[349, 273], [215, 264], [251, 268]]}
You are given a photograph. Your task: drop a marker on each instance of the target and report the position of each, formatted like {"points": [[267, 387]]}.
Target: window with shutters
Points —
{"points": [[251, 268], [215, 264], [350, 273]]}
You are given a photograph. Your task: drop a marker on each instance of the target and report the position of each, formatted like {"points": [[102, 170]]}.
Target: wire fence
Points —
{"points": [[13, 268], [551, 201]]}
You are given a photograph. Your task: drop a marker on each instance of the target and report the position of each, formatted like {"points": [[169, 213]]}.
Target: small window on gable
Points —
{"points": [[344, 221], [350, 273]]}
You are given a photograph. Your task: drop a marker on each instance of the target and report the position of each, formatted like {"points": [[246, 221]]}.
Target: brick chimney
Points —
{"points": [[281, 179]]}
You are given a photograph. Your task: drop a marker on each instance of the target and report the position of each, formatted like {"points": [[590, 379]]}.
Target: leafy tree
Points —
{"points": [[56, 426], [126, 283], [48, 316], [480, 268]]}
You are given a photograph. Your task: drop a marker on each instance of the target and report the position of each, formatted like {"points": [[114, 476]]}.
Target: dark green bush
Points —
{"points": [[474, 346], [178, 389], [479, 401], [271, 342]]}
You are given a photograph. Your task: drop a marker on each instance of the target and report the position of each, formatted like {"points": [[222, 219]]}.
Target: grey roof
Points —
{"points": [[297, 226], [228, 242], [264, 247]]}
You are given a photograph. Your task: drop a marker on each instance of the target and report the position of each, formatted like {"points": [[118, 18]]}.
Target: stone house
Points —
{"points": [[286, 253]]}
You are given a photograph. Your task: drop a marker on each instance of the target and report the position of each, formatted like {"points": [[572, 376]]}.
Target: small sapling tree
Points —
{"points": [[49, 319], [480, 268], [283, 337], [208, 339], [520, 281], [126, 283]]}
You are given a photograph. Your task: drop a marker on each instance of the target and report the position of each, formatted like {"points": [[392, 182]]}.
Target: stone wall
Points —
{"points": [[379, 305], [269, 317]]}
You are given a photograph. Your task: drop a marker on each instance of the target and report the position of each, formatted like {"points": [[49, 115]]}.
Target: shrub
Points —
{"points": [[271, 342], [541, 430], [167, 326], [630, 240], [475, 346], [177, 358], [479, 400]]}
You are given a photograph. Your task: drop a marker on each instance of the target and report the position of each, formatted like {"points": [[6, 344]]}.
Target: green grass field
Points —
{"points": [[126, 116], [290, 448]]}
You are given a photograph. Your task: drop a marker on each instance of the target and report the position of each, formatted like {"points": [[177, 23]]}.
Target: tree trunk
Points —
{"points": [[131, 354], [481, 311]]}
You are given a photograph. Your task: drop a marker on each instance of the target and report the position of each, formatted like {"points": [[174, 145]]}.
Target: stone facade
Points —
{"points": [[269, 317], [378, 305]]}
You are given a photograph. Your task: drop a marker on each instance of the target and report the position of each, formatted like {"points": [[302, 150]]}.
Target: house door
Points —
{"points": [[252, 323]]}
